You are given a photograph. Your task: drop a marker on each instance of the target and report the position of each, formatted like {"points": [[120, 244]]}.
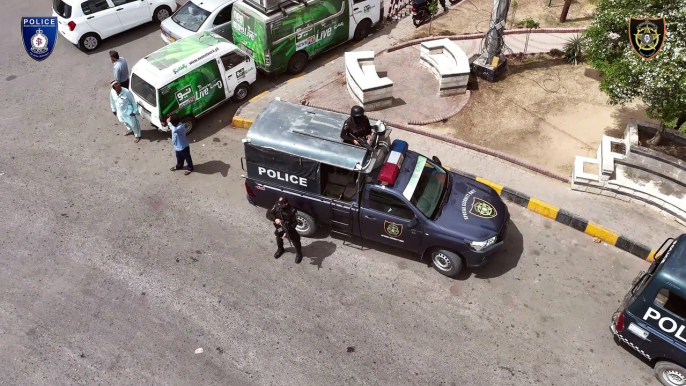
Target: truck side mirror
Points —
{"points": [[413, 223], [436, 160]]}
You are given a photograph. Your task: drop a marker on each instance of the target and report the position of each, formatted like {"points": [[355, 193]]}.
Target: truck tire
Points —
{"points": [[297, 63], [189, 121], [162, 12], [241, 92], [670, 374], [446, 262], [362, 30], [89, 42], [306, 225]]}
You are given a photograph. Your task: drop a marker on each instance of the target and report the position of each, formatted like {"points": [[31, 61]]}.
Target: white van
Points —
{"points": [[190, 78]]}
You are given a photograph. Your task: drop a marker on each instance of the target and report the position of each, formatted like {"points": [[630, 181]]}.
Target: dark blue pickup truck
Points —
{"points": [[383, 192]]}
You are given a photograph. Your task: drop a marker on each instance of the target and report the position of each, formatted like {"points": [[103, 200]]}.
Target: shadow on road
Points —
{"points": [[124, 38], [506, 259], [318, 251], [212, 167]]}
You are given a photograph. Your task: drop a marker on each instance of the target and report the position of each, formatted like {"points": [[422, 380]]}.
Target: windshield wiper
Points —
{"points": [[446, 193]]}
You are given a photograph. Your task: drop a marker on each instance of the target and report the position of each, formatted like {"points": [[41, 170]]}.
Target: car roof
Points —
{"points": [[211, 5], [306, 132]]}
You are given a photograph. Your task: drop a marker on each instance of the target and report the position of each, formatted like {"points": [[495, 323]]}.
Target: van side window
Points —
{"points": [[232, 59], [384, 202], [671, 302], [93, 6]]}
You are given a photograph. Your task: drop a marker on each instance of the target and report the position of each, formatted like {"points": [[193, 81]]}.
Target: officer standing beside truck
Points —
{"points": [[285, 222]]}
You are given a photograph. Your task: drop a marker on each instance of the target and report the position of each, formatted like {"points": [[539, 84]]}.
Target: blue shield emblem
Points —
{"points": [[39, 35]]}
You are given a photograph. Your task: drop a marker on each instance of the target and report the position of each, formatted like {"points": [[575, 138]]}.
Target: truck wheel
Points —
{"points": [[670, 374], [362, 30], [306, 224], [189, 122], [89, 42], [241, 92], [446, 262], [162, 12], [297, 63]]}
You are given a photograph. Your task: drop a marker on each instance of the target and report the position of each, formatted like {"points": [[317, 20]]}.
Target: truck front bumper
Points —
{"points": [[476, 259]]}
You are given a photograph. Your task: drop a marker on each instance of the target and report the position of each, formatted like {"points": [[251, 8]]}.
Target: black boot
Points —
{"points": [[278, 253], [298, 257]]}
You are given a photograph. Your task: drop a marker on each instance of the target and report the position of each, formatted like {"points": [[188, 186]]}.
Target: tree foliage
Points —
{"points": [[659, 82]]}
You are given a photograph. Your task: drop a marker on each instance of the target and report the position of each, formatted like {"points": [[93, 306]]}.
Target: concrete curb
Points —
{"points": [[459, 108], [480, 35], [568, 218]]}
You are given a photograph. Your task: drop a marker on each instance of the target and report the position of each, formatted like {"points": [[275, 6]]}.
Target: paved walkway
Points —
{"points": [[643, 224]]}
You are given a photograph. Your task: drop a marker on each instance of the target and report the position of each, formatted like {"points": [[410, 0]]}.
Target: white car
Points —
{"points": [[87, 22], [197, 16]]}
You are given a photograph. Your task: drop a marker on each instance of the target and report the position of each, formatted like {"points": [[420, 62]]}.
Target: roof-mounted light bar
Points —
{"points": [[391, 168]]}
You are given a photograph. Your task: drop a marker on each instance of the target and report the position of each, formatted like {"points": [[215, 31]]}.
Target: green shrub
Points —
{"points": [[573, 50]]}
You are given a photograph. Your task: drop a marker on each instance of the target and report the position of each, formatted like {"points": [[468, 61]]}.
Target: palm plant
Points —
{"points": [[573, 50]]}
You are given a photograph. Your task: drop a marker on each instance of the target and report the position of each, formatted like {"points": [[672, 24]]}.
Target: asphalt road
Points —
{"points": [[115, 270]]}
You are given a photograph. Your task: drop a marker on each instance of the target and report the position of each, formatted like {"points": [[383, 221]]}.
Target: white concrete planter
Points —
{"points": [[363, 82], [448, 63]]}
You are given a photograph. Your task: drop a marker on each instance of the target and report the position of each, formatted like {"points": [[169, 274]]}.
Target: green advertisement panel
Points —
{"points": [[176, 53], [255, 37], [193, 93]]}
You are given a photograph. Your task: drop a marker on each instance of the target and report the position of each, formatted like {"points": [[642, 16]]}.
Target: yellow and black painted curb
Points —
{"points": [[241, 123], [567, 218]]}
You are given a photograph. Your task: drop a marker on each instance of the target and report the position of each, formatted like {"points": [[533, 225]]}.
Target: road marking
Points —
{"points": [[498, 188], [258, 96], [295, 77], [331, 59], [543, 208], [358, 44], [601, 233], [651, 257], [241, 123]]}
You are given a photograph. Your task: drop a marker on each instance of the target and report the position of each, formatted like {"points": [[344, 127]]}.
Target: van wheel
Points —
{"points": [[297, 63], [89, 42], [240, 93], [670, 374], [189, 122], [162, 12], [362, 30], [446, 262], [306, 224]]}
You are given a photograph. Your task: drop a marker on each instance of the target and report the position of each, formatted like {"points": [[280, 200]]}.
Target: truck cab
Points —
{"points": [[386, 193], [652, 317]]}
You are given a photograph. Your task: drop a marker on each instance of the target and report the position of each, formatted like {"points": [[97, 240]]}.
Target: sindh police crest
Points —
{"points": [[39, 35], [647, 36], [393, 229], [483, 209]]}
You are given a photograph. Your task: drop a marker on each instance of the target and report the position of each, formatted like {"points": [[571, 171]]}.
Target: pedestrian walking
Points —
{"points": [[181, 145], [121, 69], [285, 221], [445, 9], [123, 105]]}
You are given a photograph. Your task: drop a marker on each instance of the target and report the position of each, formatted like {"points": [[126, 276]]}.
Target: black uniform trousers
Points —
{"points": [[184, 155], [295, 239]]}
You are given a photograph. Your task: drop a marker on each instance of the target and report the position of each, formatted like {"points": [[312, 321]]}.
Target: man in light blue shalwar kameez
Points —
{"points": [[124, 107]]}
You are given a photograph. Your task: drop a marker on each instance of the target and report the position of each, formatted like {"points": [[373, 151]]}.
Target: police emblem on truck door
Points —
{"points": [[483, 209], [393, 229]]}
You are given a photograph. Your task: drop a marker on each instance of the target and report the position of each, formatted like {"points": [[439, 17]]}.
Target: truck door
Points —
{"points": [[386, 218], [234, 70]]}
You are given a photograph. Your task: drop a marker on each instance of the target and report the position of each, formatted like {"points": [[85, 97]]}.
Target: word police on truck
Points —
{"points": [[385, 193]]}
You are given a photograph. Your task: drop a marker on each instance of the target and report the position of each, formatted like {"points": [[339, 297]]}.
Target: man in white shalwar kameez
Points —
{"points": [[123, 105]]}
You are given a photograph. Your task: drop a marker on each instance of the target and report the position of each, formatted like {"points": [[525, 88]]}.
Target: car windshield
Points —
{"points": [[61, 8], [143, 90], [426, 186], [190, 16]]}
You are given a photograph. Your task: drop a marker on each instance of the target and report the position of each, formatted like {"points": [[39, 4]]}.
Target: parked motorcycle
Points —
{"points": [[420, 12]]}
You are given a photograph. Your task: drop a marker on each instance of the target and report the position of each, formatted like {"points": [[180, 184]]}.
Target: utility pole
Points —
{"points": [[565, 10], [490, 64]]}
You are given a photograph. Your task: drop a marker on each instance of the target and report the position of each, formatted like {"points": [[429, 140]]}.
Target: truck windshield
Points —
{"points": [[190, 16], [143, 90], [426, 186]]}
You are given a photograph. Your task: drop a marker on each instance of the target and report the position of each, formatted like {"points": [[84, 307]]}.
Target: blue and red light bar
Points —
{"points": [[391, 168]]}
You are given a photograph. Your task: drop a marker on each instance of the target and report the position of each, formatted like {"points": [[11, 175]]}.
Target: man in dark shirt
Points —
{"points": [[356, 128], [285, 220]]}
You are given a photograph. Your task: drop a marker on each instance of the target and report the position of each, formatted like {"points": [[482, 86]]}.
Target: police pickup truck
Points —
{"points": [[383, 192], [652, 317]]}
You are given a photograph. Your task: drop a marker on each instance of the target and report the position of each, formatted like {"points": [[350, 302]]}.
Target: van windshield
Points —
{"points": [[143, 90], [61, 8], [426, 186], [190, 16]]}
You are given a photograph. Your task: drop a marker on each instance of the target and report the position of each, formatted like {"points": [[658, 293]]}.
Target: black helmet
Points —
{"points": [[356, 111], [283, 201]]}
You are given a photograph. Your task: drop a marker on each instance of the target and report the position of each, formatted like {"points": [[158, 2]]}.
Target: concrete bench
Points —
{"points": [[364, 84], [448, 63]]}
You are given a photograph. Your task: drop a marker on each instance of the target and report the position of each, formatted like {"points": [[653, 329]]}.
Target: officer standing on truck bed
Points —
{"points": [[285, 221], [356, 128]]}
